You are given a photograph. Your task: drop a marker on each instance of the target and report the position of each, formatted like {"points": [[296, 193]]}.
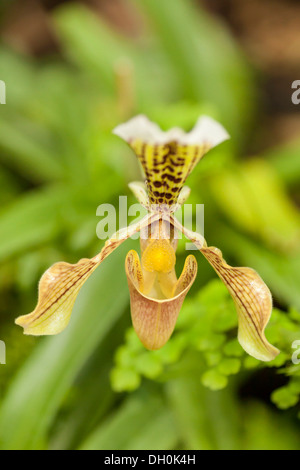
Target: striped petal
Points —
{"points": [[253, 302], [250, 294], [60, 285], [154, 319]]}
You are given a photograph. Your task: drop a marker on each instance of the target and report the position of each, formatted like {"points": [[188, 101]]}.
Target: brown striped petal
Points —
{"points": [[154, 319], [250, 294], [253, 302], [60, 285]]}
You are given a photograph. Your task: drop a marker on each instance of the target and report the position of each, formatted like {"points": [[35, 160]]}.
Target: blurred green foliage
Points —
{"points": [[95, 386]]}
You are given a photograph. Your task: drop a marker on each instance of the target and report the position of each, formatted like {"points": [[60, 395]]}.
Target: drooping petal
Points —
{"points": [[253, 301], [169, 157], [154, 319], [250, 294], [59, 287]]}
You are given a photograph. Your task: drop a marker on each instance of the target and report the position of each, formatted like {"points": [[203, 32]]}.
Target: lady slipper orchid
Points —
{"points": [[156, 294]]}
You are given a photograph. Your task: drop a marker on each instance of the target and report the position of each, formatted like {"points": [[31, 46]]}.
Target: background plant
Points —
{"points": [[94, 386]]}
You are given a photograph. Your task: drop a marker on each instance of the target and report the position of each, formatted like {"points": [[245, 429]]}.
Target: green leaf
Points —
{"points": [[229, 366], [214, 380], [251, 363], [284, 398], [25, 149], [141, 422], [206, 420], [185, 393], [149, 365], [123, 379], [233, 348], [287, 396], [209, 66], [210, 342], [160, 433], [286, 161], [83, 36], [213, 358], [253, 198], [264, 430], [30, 221]]}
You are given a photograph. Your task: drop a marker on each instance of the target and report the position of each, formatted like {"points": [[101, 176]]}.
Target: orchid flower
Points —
{"points": [[156, 294]]}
